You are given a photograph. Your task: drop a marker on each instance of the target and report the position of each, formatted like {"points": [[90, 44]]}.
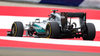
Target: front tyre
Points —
{"points": [[17, 29]]}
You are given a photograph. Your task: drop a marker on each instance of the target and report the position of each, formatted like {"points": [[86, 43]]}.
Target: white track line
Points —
{"points": [[54, 41], [6, 21]]}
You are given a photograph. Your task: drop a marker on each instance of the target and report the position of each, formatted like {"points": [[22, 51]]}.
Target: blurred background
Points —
{"points": [[62, 3]]}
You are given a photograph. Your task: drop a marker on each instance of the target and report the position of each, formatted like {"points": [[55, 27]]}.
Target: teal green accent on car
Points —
{"points": [[38, 28]]}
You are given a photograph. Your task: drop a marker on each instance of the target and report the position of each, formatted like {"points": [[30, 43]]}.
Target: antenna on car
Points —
{"points": [[54, 11]]}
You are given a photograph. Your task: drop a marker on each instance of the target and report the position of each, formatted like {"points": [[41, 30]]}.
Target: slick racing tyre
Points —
{"points": [[90, 32], [17, 29], [52, 30]]}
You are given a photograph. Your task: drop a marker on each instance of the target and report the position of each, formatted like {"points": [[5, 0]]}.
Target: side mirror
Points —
{"points": [[37, 20]]}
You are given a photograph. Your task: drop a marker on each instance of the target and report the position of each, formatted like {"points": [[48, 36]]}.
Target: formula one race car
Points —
{"points": [[57, 26]]}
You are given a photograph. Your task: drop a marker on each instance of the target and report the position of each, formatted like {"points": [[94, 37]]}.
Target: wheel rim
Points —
{"points": [[14, 30], [47, 33], [85, 34]]}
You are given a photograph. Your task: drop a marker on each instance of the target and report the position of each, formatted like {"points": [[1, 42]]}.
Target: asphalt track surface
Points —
{"points": [[8, 51]]}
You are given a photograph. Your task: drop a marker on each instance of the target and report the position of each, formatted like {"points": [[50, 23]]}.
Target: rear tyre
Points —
{"points": [[90, 32], [17, 29], [52, 30]]}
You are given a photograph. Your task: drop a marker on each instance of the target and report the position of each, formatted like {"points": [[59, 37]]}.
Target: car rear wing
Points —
{"points": [[76, 14], [70, 14], [65, 15]]}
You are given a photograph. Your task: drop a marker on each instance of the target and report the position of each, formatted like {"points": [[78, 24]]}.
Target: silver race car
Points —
{"points": [[58, 25]]}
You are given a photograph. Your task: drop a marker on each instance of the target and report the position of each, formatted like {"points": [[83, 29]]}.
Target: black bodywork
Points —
{"points": [[68, 30]]}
